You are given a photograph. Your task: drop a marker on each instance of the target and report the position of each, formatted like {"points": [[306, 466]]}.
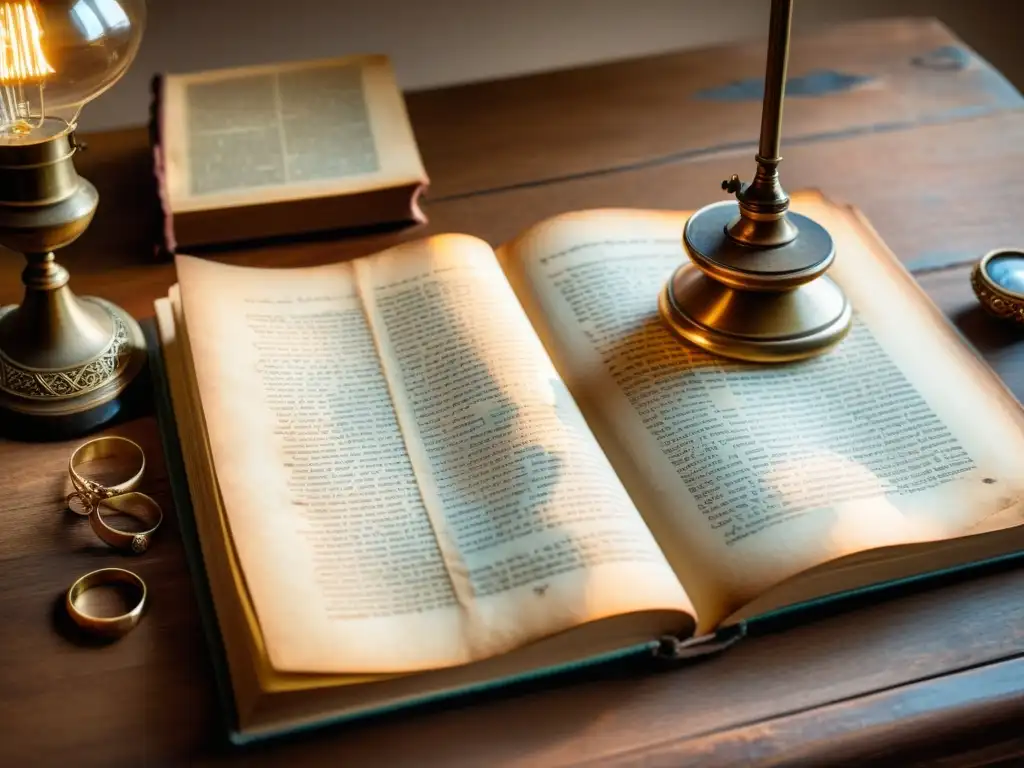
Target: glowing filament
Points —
{"points": [[22, 60]]}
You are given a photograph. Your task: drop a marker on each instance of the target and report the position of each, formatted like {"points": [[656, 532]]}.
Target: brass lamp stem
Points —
{"points": [[51, 329], [763, 203], [43, 273], [65, 360], [779, 28]]}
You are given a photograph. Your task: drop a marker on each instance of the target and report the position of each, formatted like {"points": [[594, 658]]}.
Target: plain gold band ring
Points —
{"points": [[106, 626]]}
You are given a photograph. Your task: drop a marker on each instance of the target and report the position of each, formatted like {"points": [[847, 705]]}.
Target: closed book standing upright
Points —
{"points": [[275, 150]]}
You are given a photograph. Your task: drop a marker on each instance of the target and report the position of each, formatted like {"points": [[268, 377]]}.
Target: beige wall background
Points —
{"points": [[441, 42]]}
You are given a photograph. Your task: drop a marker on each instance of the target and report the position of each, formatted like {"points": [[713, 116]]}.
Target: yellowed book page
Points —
{"points": [[331, 534], [751, 474], [536, 530], [285, 131], [351, 536], [236, 617]]}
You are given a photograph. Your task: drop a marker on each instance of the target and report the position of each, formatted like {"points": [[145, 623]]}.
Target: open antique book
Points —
{"points": [[442, 467]]}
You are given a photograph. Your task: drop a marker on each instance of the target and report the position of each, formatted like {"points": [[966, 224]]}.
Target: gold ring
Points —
{"points": [[89, 492], [134, 504], [106, 626]]}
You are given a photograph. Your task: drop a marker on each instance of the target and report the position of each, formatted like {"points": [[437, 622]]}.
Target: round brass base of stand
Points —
{"points": [[756, 326], [758, 303], [76, 398]]}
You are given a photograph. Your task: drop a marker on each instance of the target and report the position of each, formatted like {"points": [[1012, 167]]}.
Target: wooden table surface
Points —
{"points": [[897, 117]]}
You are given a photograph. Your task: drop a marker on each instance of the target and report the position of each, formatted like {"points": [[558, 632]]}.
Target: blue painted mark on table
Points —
{"points": [[983, 76], [820, 82], [946, 58]]}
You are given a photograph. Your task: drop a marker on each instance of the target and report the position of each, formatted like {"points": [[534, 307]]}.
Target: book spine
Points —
{"points": [[164, 245], [671, 649]]}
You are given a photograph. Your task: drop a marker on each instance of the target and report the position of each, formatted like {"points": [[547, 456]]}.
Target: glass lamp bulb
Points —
{"points": [[57, 55]]}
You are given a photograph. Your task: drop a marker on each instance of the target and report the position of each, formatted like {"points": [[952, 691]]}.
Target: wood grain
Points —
{"points": [[953, 714], [930, 660], [939, 195], [854, 78]]}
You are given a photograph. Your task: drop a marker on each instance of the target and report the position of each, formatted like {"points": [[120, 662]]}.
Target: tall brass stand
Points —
{"points": [[755, 287]]}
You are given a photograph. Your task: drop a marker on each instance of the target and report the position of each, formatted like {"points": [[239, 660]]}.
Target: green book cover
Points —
{"points": [[659, 652]]}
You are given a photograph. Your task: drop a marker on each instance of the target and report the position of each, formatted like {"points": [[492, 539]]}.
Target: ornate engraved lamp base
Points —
{"points": [[62, 391]]}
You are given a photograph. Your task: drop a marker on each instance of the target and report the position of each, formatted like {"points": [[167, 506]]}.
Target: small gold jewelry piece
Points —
{"points": [[134, 504], [106, 626], [89, 492], [998, 282]]}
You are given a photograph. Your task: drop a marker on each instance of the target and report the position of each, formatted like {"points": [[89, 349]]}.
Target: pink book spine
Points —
{"points": [[165, 244]]}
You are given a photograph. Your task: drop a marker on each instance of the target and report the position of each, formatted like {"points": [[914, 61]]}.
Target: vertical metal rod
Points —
{"points": [[775, 78]]}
